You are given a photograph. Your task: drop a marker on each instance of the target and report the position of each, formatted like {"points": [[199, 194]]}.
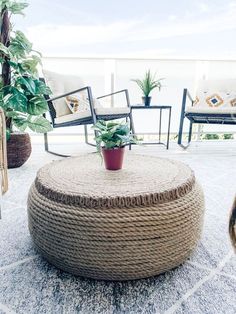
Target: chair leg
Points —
{"points": [[190, 132], [86, 136], [131, 123], [182, 116], [180, 135], [86, 133], [45, 136], [46, 147]]}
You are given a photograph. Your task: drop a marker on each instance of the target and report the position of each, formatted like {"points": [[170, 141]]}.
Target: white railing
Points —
{"points": [[106, 75]]}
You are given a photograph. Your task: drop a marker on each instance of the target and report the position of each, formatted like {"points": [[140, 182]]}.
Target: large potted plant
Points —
{"points": [[147, 84], [21, 91], [111, 139]]}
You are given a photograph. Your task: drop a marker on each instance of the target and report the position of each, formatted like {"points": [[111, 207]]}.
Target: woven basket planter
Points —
{"points": [[18, 149], [115, 225], [232, 225]]}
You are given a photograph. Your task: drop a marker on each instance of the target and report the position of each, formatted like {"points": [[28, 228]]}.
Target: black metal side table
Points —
{"points": [[160, 108]]}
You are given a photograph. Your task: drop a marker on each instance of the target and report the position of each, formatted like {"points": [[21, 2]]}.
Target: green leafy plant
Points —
{"points": [[228, 136], [148, 83], [112, 134], [21, 91], [210, 136]]}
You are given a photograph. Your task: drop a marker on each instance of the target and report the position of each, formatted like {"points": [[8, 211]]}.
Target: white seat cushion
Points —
{"points": [[224, 110], [99, 112], [73, 116]]}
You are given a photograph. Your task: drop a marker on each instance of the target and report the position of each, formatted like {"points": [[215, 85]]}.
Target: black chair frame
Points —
{"points": [[200, 118], [88, 120]]}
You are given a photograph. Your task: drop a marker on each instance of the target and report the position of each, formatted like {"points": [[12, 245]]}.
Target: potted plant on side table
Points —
{"points": [[111, 139], [21, 91], [147, 84]]}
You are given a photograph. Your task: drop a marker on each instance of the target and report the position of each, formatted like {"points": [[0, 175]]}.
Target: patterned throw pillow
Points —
{"points": [[78, 103], [72, 103], [213, 99], [233, 102]]}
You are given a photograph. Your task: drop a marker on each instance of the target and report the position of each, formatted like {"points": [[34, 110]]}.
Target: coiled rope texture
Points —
{"points": [[115, 225]]}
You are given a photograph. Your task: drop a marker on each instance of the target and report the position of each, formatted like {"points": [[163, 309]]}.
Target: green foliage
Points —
{"points": [[211, 136], [8, 134], [15, 7], [148, 83], [225, 136], [112, 134], [36, 124], [19, 47], [23, 99], [228, 136], [4, 51]]}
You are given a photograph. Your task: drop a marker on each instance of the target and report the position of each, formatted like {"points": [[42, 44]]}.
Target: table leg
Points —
{"points": [[168, 133], [160, 125], [131, 126]]}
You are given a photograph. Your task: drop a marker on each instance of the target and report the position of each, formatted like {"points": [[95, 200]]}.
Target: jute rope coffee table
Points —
{"points": [[115, 225]]}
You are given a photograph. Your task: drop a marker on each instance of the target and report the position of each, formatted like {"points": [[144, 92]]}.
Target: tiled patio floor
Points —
{"points": [[206, 283]]}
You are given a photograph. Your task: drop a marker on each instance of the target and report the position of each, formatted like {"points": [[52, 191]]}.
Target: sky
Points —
{"points": [[138, 29]]}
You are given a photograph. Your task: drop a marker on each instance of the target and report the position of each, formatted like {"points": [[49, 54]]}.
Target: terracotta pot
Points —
{"points": [[18, 149], [113, 157]]}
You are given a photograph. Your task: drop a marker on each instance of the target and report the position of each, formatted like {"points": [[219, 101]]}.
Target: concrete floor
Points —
{"points": [[206, 283]]}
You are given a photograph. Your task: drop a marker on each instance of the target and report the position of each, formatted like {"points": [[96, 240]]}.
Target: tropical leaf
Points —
{"points": [[29, 65], [20, 123], [15, 99], [112, 134], [4, 50], [17, 7], [13, 64], [39, 124], [27, 84], [37, 106], [12, 114], [23, 98], [20, 46], [41, 88], [4, 4]]}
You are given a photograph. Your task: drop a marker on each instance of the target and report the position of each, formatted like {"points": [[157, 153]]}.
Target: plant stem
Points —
{"points": [[5, 40]]}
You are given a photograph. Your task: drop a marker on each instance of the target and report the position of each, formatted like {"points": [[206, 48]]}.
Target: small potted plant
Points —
{"points": [[111, 138], [147, 84]]}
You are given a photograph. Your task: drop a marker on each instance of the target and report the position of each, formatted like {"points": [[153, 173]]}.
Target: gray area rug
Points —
{"points": [[206, 283]]}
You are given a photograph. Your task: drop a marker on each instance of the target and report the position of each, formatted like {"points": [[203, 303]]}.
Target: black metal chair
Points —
{"points": [[89, 117], [225, 117]]}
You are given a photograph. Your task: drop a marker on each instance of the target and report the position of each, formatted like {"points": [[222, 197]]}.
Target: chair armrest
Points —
{"points": [[118, 92], [87, 88], [90, 100], [186, 95], [189, 96]]}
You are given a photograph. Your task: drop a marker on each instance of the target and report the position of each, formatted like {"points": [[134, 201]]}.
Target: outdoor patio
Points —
{"points": [[206, 283], [91, 234]]}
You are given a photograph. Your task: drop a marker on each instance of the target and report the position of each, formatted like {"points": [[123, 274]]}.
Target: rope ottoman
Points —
{"points": [[115, 225]]}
